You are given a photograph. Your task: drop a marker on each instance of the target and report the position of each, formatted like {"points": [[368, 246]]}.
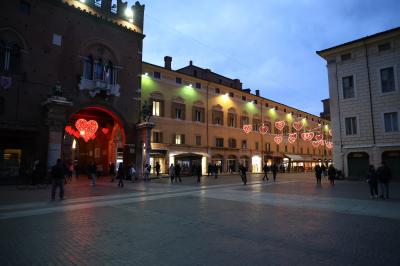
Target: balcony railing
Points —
{"points": [[96, 86]]}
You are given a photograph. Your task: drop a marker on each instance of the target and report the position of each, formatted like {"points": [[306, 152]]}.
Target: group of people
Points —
{"points": [[323, 171], [174, 173], [273, 168], [213, 169], [381, 176]]}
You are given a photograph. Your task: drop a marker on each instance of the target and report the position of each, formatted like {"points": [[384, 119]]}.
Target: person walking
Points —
{"points": [[384, 175], [132, 173], [198, 173], [70, 171], [111, 171], [274, 170], [215, 169], [121, 175], [77, 170], [331, 174], [171, 172], [147, 172], [323, 169], [57, 176], [265, 170], [318, 174], [158, 168], [372, 180], [93, 173], [209, 169], [178, 173], [242, 173]]}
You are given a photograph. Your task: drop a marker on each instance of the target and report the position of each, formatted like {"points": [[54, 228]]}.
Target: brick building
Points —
{"points": [[364, 77], [63, 61]]}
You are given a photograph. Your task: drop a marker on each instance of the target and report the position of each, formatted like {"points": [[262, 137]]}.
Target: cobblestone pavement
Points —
{"points": [[219, 222]]}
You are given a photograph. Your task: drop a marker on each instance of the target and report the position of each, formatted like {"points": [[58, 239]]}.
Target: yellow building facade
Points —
{"points": [[203, 118]]}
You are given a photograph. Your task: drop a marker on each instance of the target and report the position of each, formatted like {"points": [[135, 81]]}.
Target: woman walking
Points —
{"points": [[372, 180], [121, 175]]}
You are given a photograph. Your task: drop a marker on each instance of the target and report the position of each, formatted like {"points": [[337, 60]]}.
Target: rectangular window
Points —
{"points": [[178, 80], [156, 108], [345, 57], [286, 149], [231, 120], [351, 125], [198, 140], [267, 146], [198, 85], [231, 95], [257, 146], [387, 79], [25, 7], [348, 87], [255, 101], [157, 75], [243, 98], [179, 139], [384, 47], [244, 144], [218, 117], [232, 143], [198, 114], [157, 137], [217, 91], [178, 111], [244, 120], [391, 122], [57, 39], [256, 124], [219, 142], [277, 148]]}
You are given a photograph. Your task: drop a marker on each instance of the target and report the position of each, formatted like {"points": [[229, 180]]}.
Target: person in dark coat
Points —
{"points": [[57, 175], [93, 173], [209, 169], [331, 174], [178, 173], [158, 168], [121, 175], [372, 180], [384, 175], [242, 173], [111, 171], [215, 170], [318, 174], [198, 173], [274, 170], [265, 170]]}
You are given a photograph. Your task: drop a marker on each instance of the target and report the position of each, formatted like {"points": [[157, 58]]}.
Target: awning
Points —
{"points": [[295, 157], [158, 152], [276, 154]]}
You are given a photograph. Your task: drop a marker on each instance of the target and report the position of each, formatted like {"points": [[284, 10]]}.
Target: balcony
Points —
{"points": [[96, 86]]}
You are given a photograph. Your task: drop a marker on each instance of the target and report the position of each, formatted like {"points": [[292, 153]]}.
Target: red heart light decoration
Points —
{"points": [[292, 138], [298, 125], [315, 143], [307, 135], [328, 144], [319, 137], [330, 132], [72, 132], [87, 129], [278, 139], [247, 128], [280, 125], [263, 130], [104, 130]]}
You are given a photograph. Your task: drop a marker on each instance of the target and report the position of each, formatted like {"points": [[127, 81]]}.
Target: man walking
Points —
{"points": [[158, 168], [121, 175], [57, 176], [274, 170], [242, 172], [171, 173], [265, 170], [331, 174], [93, 173], [178, 173], [384, 175], [198, 173], [318, 174]]}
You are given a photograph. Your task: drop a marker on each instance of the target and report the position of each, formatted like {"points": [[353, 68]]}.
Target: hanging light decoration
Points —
{"points": [[278, 139], [307, 135], [247, 128], [280, 125], [87, 129], [298, 125], [292, 137]]}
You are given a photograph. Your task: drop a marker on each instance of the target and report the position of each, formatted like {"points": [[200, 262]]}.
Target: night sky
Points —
{"points": [[269, 45]]}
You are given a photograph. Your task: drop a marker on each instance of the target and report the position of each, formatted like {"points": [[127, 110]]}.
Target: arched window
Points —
{"points": [[99, 70], [88, 68], [10, 56], [109, 75]]}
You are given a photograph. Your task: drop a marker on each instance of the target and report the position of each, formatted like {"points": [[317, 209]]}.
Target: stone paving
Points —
{"points": [[219, 222]]}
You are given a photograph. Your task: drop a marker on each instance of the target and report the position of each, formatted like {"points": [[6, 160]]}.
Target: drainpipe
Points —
{"points": [[340, 116], [370, 96]]}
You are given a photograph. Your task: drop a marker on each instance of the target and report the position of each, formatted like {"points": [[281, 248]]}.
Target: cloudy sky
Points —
{"points": [[268, 44]]}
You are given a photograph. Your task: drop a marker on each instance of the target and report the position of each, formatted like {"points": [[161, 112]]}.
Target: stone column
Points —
{"points": [[144, 146], [56, 108]]}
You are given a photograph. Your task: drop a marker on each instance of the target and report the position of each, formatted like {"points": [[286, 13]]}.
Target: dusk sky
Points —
{"points": [[269, 45]]}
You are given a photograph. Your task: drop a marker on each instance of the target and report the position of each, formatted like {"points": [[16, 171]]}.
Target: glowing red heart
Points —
{"points": [[278, 139], [247, 128], [263, 130], [104, 130], [307, 135], [298, 125], [87, 129], [292, 138], [328, 144], [319, 137], [280, 125], [315, 143]]}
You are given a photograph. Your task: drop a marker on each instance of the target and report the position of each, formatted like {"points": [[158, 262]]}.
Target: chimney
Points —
{"points": [[190, 63], [237, 84], [247, 90], [167, 62], [257, 92]]}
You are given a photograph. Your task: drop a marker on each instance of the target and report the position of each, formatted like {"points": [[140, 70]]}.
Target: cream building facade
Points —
{"points": [[364, 90], [203, 117]]}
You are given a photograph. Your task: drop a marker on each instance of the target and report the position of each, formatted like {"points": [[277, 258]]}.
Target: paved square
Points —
{"points": [[220, 222]]}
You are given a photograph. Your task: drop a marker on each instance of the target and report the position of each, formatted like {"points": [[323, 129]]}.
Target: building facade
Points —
{"points": [[202, 117], [70, 83], [364, 90]]}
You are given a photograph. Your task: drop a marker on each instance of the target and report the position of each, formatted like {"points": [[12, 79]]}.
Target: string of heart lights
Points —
{"points": [[315, 135], [85, 129]]}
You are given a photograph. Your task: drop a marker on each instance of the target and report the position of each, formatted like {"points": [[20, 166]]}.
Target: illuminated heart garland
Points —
{"points": [[292, 138], [278, 139], [328, 144], [315, 143], [319, 137], [307, 135], [280, 125], [263, 130], [87, 129], [298, 125], [104, 130], [247, 128], [72, 132]]}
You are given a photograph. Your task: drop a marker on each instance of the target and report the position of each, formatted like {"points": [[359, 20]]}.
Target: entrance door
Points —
{"points": [[358, 163], [392, 159]]}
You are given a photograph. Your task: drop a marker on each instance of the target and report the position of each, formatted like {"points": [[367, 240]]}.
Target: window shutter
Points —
{"points": [[173, 107], [161, 137], [203, 115], [173, 138], [183, 139], [193, 113], [183, 108], [222, 118], [162, 108], [213, 117]]}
